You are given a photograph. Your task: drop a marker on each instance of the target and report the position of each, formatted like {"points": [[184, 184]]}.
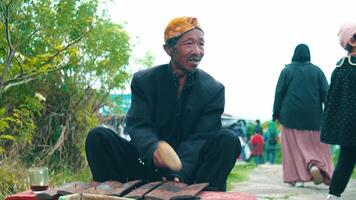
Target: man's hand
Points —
{"points": [[158, 162], [175, 179]]}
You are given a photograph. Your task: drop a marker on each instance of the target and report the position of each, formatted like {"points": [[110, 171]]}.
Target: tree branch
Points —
{"points": [[5, 85], [19, 62], [7, 28], [2, 11], [27, 78], [60, 139], [11, 51], [28, 38], [100, 103], [65, 48]]}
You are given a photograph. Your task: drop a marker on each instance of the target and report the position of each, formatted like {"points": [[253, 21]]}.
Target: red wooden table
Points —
{"points": [[205, 195]]}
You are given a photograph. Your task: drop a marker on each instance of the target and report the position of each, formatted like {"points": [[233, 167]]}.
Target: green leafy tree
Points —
{"points": [[59, 60]]}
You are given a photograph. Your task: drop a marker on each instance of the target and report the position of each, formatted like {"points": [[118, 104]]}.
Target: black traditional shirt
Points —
{"points": [[185, 121], [300, 93]]}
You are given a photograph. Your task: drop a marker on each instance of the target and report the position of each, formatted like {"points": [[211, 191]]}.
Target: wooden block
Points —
{"points": [[105, 188], [127, 187], [165, 191], [75, 188], [48, 194], [113, 189], [139, 192], [102, 197], [189, 192], [54, 193]]}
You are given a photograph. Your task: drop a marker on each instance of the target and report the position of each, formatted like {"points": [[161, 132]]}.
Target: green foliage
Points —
{"points": [[147, 60], [6, 138], [68, 57], [13, 177], [279, 154], [335, 151], [19, 126], [250, 129], [4, 124]]}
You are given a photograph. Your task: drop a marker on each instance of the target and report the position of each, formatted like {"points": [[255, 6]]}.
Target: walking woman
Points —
{"points": [[339, 124], [300, 92]]}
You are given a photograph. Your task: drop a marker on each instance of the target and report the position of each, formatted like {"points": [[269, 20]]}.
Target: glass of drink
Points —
{"points": [[38, 178]]}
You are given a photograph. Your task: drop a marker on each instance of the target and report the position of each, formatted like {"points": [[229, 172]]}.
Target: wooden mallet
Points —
{"points": [[169, 156]]}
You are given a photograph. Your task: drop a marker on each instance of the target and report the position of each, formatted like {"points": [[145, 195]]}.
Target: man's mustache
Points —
{"points": [[195, 58]]}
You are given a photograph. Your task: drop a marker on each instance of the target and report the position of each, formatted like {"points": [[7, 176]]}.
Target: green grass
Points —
{"points": [[354, 174], [335, 150], [239, 173], [13, 178], [67, 175]]}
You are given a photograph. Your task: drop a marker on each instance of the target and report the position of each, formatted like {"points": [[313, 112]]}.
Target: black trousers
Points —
{"points": [[343, 170], [111, 157]]}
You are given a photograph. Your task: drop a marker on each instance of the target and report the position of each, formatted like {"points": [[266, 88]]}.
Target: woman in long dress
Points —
{"points": [[300, 92]]}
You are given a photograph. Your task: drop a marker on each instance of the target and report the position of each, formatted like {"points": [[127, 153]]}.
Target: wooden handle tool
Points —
{"points": [[169, 156]]}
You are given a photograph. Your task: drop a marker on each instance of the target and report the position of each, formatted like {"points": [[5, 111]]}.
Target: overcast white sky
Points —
{"points": [[248, 42]]}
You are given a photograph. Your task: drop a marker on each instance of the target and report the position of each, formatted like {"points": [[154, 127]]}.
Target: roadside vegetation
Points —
{"points": [[59, 63]]}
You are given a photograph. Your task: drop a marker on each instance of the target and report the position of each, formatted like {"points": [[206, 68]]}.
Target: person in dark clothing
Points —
{"points": [[339, 121], [258, 127], [271, 142], [298, 105], [177, 103]]}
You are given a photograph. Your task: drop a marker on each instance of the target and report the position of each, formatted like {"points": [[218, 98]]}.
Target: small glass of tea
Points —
{"points": [[38, 178]]}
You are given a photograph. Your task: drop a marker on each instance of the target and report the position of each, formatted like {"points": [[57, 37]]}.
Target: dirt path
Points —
{"points": [[266, 183]]}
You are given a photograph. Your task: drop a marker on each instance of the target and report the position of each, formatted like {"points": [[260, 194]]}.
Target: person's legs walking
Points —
{"points": [[273, 153], [260, 159], [256, 159], [343, 170], [218, 157], [243, 156], [268, 155]]}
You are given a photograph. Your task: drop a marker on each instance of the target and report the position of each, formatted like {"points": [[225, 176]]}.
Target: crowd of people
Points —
{"points": [[181, 104], [260, 145]]}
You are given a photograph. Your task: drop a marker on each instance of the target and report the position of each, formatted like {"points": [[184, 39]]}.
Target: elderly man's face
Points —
{"points": [[189, 51]]}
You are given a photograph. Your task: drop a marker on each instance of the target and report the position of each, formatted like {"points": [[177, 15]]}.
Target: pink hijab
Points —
{"points": [[346, 32]]}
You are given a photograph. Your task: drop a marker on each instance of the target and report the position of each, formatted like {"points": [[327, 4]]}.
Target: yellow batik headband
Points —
{"points": [[180, 25]]}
